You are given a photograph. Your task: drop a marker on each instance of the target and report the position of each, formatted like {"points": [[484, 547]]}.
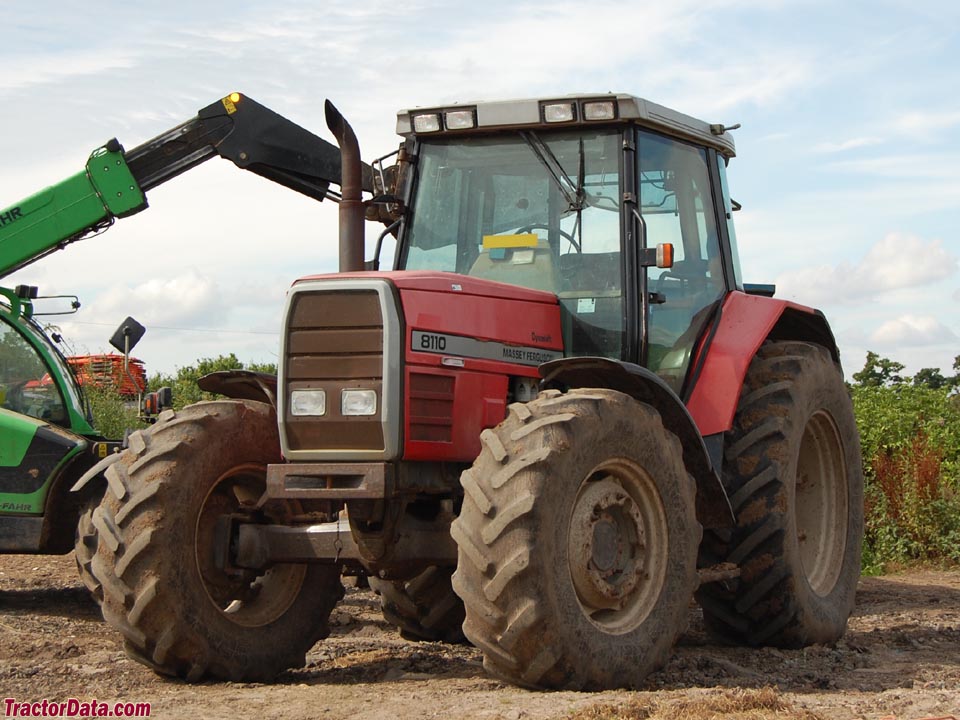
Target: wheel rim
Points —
{"points": [[246, 597], [821, 503], [618, 546]]}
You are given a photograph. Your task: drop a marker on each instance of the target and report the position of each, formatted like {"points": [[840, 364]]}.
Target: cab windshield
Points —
{"points": [[535, 209]]}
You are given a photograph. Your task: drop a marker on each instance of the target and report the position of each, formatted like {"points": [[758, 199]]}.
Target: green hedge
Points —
{"points": [[910, 440]]}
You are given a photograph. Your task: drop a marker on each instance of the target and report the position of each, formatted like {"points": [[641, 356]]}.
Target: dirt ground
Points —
{"points": [[900, 658]]}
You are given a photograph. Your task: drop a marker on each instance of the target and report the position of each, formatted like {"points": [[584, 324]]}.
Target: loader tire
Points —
{"points": [[85, 547], [179, 614], [577, 542], [424, 607], [793, 474]]}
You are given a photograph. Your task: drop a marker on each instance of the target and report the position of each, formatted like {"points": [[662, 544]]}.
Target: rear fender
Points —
{"points": [[713, 506], [32, 452], [35, 459], [746, 322]]}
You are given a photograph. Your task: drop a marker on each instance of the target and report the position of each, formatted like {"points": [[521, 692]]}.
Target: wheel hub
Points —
{"points": [[248, 598], [821, 502], [607, 545]]}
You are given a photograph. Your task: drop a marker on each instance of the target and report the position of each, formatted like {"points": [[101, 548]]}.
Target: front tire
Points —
{"points": [[178, 612], [577, 542], [793, 474]]}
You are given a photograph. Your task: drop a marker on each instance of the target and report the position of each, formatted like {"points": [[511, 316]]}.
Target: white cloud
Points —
{"points": [[897, 261], [845, 145], [27, 70], [189, 300], [942, 166], [928, 121], [912, 330]]}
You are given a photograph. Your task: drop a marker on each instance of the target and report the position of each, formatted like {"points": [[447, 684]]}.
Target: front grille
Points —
{"points": [[334, 341], [334, 336], [431, 407]]}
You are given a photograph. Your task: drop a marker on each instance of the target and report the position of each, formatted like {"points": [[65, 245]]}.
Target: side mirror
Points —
{"points": [[127, 335], [389, 183]]}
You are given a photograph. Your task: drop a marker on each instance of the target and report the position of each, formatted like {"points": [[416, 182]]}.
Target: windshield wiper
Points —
{"points": [[573, 192]]}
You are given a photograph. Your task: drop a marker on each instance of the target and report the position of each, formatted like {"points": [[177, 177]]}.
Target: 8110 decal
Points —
{"points": [[459, 346]]}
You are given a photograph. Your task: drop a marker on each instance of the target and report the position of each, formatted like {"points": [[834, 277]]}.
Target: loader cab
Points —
{"points": [[35, 378], [564, 196]]}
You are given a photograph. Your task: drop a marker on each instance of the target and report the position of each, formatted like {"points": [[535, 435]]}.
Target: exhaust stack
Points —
{"points": [[351, 203]]}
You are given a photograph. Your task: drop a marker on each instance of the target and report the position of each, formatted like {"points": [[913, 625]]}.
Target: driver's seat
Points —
{"points": [[530, 267]]}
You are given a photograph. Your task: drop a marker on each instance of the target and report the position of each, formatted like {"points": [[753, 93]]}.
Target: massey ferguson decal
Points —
{"points": [[460, 346]]}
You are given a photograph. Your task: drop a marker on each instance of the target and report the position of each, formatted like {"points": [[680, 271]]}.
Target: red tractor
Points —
{"points": [[559, 419]]}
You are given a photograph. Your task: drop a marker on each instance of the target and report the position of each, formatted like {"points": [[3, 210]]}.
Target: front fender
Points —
{"points": [[242, 385], [713, 506]]}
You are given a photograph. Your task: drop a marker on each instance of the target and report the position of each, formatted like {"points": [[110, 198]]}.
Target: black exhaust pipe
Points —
{"points": [[351, 188]]}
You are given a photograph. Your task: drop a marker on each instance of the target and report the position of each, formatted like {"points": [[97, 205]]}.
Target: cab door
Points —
{"points": [[33, 445], [676, 205]]}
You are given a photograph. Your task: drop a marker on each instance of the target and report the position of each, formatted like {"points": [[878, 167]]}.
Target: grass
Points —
{"points": [[736, 704]]}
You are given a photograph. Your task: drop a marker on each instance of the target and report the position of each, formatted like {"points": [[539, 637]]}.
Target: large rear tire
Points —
{"points": [[424, 607], [577, 542], [162, 589], [793, 474]]}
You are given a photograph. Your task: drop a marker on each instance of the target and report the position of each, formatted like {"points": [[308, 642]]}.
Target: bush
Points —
{"points": [[112, 414], [910, 438]]}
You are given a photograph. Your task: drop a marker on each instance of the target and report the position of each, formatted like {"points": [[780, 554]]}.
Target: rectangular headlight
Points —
{"points": [[308, 402], [459, 119], [426, 123], [599, 110], [358, 402], [558, 112]]}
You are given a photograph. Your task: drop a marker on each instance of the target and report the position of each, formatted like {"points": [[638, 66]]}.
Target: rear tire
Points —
{"points": [[577, 542], [793, 473], [179, 614], [424, 607]]}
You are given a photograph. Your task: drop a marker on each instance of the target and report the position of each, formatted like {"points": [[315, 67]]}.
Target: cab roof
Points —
{"points": [[529, 113]]}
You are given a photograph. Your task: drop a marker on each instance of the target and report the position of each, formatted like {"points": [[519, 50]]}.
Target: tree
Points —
{"points": [[879, 372], [931, 378]]}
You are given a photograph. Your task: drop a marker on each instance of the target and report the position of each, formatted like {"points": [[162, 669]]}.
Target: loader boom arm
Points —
{"points": [[114, 182]]}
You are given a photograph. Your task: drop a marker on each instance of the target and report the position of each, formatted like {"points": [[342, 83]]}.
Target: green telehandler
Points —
{"points": [[47, 438]]}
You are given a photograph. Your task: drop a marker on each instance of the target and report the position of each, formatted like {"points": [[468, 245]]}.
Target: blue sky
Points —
{"points": [[848, 169]]}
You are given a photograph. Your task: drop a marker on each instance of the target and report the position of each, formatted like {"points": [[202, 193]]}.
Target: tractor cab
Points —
{"points": [[572, 196]]}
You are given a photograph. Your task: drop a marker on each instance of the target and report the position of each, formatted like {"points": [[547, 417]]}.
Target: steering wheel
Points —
{"points": [[563, 233]]}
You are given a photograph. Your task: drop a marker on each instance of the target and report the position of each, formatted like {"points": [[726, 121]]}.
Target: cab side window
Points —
{"points": [[676, 203], [26, 386]]}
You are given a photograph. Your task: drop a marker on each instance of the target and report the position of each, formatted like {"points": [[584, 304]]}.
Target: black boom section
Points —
{"points": [[251, 136], [713, 506]]}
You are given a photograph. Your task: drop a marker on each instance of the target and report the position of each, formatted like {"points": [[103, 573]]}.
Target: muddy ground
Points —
{"points": [[899, 658]]}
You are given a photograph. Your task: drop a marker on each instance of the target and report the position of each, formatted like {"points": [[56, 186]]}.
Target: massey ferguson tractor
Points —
{"points": [[560, 418]]}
